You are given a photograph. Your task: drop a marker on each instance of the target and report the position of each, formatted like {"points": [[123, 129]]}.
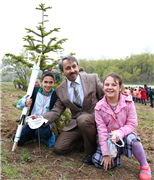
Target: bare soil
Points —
{"points": [[52, 166]]}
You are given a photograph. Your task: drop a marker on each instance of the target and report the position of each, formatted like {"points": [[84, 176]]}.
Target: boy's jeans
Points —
{"points": [[28, 133]]}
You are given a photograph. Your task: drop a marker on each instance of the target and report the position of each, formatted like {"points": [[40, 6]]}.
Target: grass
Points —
{"points": [[8, 83], [11, 117], [5, 152], [11, 172], [9, 89], [20, 96], [7, 102], [109, 172], [143, 113], [25, 158], [65, 163], [3, 144], [35, 171], [7, 166]]}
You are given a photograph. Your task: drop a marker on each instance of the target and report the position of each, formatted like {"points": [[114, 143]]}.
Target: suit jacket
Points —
{"points": [[93, 92]]}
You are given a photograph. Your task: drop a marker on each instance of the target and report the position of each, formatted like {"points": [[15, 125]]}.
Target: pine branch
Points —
{"points": [[51, 40], [31, 31], [49, 7], [61, 41], [47, 33], [42, 7], [45, 20], [19, 59], [38, 40]]}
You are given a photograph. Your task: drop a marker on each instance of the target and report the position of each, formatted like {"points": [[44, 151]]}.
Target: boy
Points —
{"points": [[42, 100]]}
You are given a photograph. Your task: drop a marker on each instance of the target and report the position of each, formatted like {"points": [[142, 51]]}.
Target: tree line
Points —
{"points": [[133, 69]]}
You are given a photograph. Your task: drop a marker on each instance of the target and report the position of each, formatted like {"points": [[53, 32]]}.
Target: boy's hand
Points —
{"points": [[107, 160], [29, 102]]}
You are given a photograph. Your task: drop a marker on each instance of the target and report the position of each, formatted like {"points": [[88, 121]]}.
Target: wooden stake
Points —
{"points": [[14, 146]]}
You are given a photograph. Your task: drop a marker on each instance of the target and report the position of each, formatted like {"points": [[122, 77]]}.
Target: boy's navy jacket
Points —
{"points": [[33, 97]]}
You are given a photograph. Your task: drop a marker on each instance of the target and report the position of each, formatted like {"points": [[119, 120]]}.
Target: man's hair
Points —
{"points": [[115, 77], [47, 73], [69, 57]]}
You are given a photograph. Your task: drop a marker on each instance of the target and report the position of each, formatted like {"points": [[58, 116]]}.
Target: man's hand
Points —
{"points": [[35, 116], [29, 102], [107, 160]]}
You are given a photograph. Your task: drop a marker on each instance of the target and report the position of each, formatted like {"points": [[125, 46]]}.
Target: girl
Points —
{"points": [[143, 95], [117, 112], [135, 95]]}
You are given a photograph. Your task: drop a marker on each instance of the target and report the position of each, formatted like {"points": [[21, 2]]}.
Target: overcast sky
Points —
{"points": [[94, 28]]}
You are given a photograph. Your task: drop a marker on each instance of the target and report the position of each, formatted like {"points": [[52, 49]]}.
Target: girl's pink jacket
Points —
{"points": [[125, 119]]}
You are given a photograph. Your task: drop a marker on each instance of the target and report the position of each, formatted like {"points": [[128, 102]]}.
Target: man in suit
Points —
{"points": [[81, 129]]}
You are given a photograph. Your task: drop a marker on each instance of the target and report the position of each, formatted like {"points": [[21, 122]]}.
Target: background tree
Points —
{"points": [[135, 69], [13, 68]]}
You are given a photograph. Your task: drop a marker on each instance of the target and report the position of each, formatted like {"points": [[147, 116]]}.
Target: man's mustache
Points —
{"points": [[73, 73]]}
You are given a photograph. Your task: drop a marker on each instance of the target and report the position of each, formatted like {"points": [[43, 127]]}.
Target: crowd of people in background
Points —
{"points": [[140, 94]]}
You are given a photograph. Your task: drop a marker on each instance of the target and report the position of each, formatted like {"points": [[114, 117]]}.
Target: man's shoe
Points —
{"points": [[87, 160], [81, 149]]}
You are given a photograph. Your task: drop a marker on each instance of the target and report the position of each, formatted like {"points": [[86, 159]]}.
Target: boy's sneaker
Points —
{"points": [[145, 173], [51, 141]]}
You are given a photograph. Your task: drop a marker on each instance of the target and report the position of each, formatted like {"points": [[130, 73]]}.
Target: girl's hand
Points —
{"points": [[111, 138], [107, 160]]}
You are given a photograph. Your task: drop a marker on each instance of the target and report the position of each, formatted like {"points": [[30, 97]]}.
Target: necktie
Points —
{"points": [[76, 97]]}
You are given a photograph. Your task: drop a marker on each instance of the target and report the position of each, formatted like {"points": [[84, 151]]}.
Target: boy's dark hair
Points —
{"points": [[47, 73], [115, 77]]}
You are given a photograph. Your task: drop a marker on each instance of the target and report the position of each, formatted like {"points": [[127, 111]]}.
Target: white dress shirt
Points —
{"points": [[70, 89]]}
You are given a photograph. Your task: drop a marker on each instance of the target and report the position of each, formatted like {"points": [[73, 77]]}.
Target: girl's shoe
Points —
{"points": [[145, 173]]}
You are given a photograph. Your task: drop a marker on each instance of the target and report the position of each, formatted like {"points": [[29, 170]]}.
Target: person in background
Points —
{"points": [[147, 91], [143, 95], [37, 84], [81, 70], [51, 69], [151, 95], [130, 91], [126, 90], [135, 95], [116, 113], [42, 100], [139, 95]]}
